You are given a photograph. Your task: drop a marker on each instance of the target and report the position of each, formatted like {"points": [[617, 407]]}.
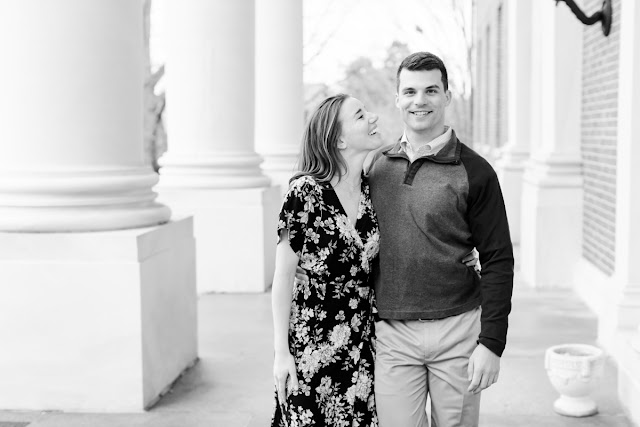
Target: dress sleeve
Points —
{"points": [[298, 209]]}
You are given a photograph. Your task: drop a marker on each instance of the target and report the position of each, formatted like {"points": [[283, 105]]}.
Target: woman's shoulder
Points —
{"points": [[305, 184]]}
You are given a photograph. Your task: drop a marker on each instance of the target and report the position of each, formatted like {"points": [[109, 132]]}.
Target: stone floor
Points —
{"points": [[231, 384]]}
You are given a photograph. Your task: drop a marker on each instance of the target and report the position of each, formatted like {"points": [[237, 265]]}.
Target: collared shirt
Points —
{"points": [[429, 149]]}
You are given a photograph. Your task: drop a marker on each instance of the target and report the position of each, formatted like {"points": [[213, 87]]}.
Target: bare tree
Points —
{"points": [[316, 43]]}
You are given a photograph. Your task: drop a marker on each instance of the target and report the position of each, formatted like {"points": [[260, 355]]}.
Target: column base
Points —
{"points": [[551, 206], [96, 322], [235, 233], [97, 199], [221, 171]]}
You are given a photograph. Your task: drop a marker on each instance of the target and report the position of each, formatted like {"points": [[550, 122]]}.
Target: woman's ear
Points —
{"points": [[341, 144]]}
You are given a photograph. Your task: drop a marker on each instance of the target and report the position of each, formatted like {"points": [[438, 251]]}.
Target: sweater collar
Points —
{"points": [[450, 152]]}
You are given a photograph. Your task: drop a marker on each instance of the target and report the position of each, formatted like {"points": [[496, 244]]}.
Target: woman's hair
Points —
{"points": [[319, 156]]}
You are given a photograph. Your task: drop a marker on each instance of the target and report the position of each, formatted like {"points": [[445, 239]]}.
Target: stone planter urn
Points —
{"points": [[574, 371]]}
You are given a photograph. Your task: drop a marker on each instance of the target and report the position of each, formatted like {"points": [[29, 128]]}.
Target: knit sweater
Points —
{"points": [[431, 213]]}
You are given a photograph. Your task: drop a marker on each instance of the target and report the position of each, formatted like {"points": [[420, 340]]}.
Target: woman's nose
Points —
{"points": [[373, 117]]}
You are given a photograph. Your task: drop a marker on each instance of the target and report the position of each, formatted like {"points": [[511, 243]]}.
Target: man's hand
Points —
{"points": [[301, 276], [483, 370], [472, 259]]}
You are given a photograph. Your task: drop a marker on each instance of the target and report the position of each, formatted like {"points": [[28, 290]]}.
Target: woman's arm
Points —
{"points": [[281, 296]]}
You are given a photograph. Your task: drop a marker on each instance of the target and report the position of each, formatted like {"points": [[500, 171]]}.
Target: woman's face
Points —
{"points": [[359, 128]]}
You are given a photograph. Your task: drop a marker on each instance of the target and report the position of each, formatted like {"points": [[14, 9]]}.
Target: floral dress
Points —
{"points": [[331, 327]]}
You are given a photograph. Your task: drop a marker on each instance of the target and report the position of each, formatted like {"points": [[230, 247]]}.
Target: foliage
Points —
{"points": [[375, 86]]}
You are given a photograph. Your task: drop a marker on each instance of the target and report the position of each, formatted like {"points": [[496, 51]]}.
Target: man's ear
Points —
{"points": [[397, 106], [448, 95]]}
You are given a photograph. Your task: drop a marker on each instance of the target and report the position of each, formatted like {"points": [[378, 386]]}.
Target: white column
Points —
{"points": [[511, 163], [211, 169], [279, 87], [552, 189], [93, 320], [71, 131], [626, 274]]}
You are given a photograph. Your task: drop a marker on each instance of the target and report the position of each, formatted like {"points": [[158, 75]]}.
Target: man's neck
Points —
{"points": [[418, 139]]}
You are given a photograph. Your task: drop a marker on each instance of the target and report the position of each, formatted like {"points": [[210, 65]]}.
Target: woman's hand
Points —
{"points": [[284, 367]]}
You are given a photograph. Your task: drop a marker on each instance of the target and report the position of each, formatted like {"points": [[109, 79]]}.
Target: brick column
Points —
{"points": [[626, 275], [626, 272]]}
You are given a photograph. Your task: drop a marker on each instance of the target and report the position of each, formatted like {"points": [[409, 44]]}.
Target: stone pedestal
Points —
{"points": [[510, 168], [551, 206], [237, 235], [96, 322]]}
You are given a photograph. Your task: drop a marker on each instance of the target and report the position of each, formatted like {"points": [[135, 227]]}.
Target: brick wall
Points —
{"points": [[599, 136]]}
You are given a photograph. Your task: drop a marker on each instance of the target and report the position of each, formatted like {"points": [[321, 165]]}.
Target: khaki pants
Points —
{"points": [[415, 358]]}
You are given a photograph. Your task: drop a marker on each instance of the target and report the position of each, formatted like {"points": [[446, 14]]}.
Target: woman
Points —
{"points": [[323, 366]]}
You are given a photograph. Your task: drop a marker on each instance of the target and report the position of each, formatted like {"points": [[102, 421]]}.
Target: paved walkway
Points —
{"points": [[231, 384]]}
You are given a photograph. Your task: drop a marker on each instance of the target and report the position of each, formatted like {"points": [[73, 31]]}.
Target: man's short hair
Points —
{"points": [[423, 61]]}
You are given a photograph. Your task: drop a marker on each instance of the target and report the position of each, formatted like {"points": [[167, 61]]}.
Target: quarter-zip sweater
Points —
{"points": [[432, 212]]}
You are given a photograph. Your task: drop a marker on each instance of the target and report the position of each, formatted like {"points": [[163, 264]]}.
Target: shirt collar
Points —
{"points": [[431, 148]]}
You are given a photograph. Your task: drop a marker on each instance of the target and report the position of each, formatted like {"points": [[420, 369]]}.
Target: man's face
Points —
{"points": [[422, 100]]}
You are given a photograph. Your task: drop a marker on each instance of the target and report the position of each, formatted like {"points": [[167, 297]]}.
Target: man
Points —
{"points": [[436, 199]]}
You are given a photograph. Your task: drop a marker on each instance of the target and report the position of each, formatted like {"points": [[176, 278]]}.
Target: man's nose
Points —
{"points": [[420, 98]]}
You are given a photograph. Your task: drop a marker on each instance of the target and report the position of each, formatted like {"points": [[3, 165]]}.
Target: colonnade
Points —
{"points": [[97, 274]]}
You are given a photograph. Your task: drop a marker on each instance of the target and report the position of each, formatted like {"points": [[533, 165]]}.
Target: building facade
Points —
{"points": [[567, 98]]}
